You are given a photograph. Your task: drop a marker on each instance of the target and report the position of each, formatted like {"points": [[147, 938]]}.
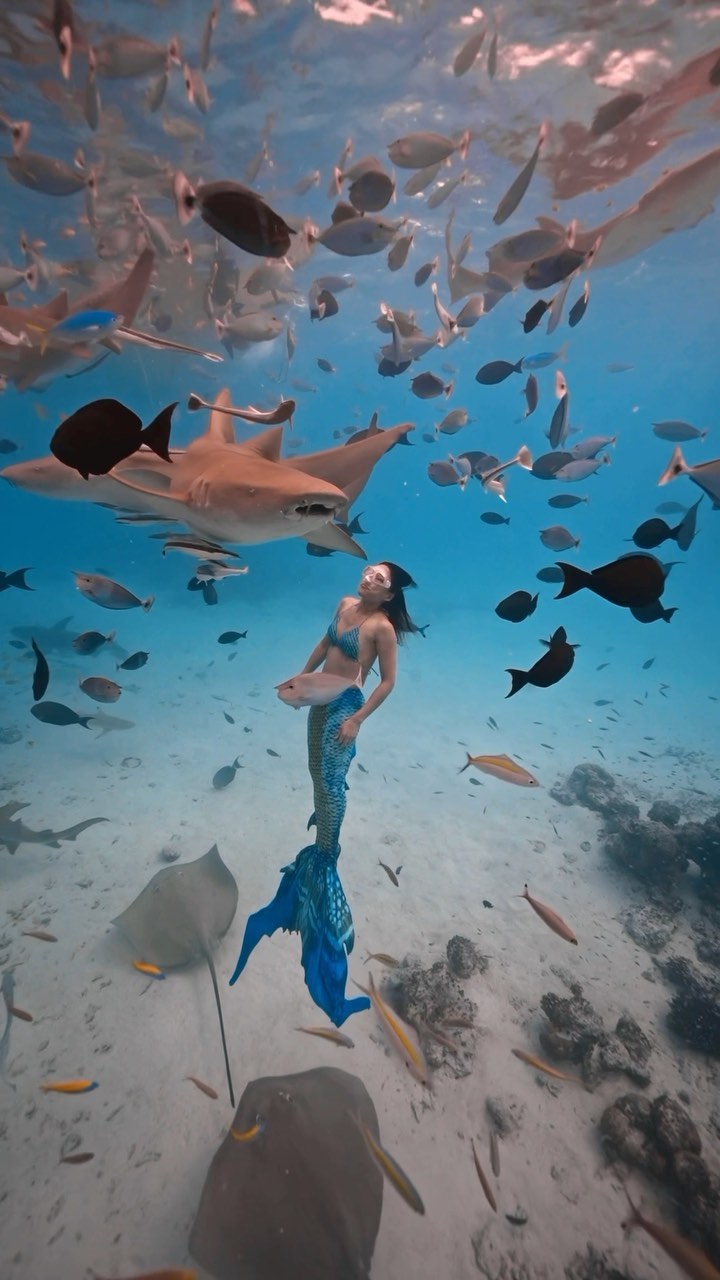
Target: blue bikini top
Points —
{"points": [[348, 642]]}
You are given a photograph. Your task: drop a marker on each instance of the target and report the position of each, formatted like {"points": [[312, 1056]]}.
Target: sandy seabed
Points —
{"points": [[153, 1133]]}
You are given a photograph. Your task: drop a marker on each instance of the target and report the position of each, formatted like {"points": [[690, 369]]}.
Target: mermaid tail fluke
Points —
{"points": [[311, 902], [310, 899]]}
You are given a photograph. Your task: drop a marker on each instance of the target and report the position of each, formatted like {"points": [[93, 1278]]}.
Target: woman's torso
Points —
{"points": [[352, 637]]}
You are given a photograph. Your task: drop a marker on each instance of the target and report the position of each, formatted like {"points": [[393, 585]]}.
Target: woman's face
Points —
{"points": [[375, 584]]}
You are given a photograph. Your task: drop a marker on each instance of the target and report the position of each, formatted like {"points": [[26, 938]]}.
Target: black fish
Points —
{"points": [[100, 434], [134, 662], [90, 641], [652, 612], [312, 549], [354, 526], [15, 579], [230, 719], [494, 517], [548, 464], [517, 607], [57, 713], [421, 631], [612, 113], [224, 776], [647, 664], [388, 368], [41, 678], [236, 213], [550, 668], [496, 371], [324, 306], [548, 271], [8, 446], [549, 574], [631, 582], [653, 532], [534, 315], [578, 308], [564, 500], [209, 593], [230, 637]]}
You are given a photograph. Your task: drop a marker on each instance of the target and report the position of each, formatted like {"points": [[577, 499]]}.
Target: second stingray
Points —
{"points": [[180, 916]]}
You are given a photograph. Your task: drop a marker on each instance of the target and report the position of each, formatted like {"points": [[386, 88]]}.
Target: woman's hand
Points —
{"points": [[348, 730]]}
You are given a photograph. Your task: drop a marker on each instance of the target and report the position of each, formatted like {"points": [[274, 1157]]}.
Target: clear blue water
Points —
{"points": [[324, 73]]}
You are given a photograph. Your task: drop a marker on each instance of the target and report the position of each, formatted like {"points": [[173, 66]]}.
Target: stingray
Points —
{"points": [[235, 493], [13, 831], [181, 914], [302, 1200]]}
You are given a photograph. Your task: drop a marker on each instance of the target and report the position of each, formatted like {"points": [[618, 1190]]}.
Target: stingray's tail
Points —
{"points": [[310, 899], [213, 975]]}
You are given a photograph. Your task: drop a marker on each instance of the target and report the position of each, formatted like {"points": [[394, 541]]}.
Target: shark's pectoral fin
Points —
{"points": [[143, 480], [335, 539]]}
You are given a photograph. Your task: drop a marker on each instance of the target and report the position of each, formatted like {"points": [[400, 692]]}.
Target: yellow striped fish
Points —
{"points": [[249, 1135], [68, 1086], [390, 1168], [401, 1036]]}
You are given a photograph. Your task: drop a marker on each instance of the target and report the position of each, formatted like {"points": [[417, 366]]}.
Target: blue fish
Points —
{"points": [[83, 326], [544, 358]]}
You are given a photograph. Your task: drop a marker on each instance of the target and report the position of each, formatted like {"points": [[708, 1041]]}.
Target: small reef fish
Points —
{"points": [[550, 918], [631, 581], [494, 1153], [78, 1157], [68, 1086], [90, 641], [487, 1189], [548, 669], [249, 1135], [390, 1168], [390, 873], [134, 662], [497, 371], [100, 689], [502, 767], [100, 434], [41, 677], [516, 607], [314, 689], [688, 1257], [22, 1014], [539, 1065], [152, 970], [329, 1033], [225, 775], [520, 183], [401, 1036], [382, 958], [200, 1084], [41, 934], [167, 1273], [109, 594], [230, 637], [57, 713]]}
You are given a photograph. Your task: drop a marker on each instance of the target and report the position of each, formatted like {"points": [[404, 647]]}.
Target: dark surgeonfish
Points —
{"points": [[550, 668], [653, 532], [104, 432], [631, 581], [90, 641], [652, 613], [517, 607], [236, 213], [57, 713], [41, 677], [15, 579], [226, 774]]}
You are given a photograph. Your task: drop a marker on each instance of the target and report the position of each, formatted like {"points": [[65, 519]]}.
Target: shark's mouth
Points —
{"points": [[313, 510]]}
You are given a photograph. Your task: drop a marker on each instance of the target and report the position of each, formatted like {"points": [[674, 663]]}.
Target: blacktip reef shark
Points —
{"points": [[13, 831], [232, 492]]}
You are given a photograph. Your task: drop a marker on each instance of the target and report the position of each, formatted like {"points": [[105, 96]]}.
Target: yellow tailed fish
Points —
{"points": [[69, 1086], [401, 1035], [329, 1033], [249, 1135], [539, 1065], [502, 767], [390, 1168], [144, 966]]}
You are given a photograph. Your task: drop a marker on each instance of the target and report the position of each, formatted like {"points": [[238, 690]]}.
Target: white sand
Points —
{"points": [[153, 1133]]}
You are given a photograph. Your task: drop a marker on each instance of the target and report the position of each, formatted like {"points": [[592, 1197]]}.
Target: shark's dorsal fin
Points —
{"points": [[266, 445], [220, 426]]}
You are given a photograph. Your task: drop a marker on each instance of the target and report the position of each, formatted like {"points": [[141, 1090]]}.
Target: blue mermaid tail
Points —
{"points": [[310, 899]]}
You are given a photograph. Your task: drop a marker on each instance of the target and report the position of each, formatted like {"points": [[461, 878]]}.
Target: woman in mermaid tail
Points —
{"points": [[366, 628]]}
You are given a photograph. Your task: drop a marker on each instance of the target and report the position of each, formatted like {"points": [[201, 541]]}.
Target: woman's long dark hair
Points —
{"points": [[396, 608]]}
